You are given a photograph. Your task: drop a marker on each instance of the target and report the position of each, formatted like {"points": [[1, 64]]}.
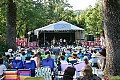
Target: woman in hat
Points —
{"points": [[94, 61]]}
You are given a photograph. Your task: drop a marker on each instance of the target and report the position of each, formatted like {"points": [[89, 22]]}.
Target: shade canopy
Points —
{"points": [[59, 26]]}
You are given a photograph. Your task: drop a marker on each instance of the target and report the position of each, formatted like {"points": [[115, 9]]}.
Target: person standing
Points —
{"points": [[102, 53], [102, 40]]}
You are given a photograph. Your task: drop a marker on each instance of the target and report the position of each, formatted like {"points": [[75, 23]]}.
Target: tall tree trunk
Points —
{"points": [[11, 25], [111, 13]]}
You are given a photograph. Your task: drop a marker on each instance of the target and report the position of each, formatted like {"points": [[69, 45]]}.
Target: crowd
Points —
{"points": [[91, 56], [94, 57]]}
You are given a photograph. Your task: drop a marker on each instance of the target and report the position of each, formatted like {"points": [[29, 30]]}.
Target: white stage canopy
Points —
{"points": [[59, 26]]}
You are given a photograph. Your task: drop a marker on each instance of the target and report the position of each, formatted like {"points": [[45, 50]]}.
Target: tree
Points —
{"points": [[94, 19], [111, 13], [2, 18], [11, 25]]}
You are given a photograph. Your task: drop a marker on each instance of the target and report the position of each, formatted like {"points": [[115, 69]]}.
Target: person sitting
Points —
{"points": [[102, 57], [23, 57], [61, 61], [73, 59], [36, 58], [8, 62], [94, 61], [76, 57], [85, 59], [69, 73], [88, 75], [18, 56], [2, 67]]}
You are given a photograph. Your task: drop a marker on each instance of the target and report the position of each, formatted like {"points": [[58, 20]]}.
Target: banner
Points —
{"points": [[33, 44], [92, 43], [23, 42]]}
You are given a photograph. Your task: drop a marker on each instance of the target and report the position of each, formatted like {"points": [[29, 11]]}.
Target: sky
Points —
{"points": [[81, 4]]}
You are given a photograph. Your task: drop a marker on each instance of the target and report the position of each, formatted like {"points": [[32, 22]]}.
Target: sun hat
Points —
{"points": [[10, 50], [22, 49], [85, 57], [93, 55]]}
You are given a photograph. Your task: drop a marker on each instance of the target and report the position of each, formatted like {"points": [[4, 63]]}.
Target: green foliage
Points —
{"points": [[91, 20], [35, 14], [2, 18], [94, 20], [114, 77], [2, 44]]}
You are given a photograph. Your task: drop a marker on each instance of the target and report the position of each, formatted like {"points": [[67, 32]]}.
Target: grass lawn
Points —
{"points": [[115, 78], [112, 77]]}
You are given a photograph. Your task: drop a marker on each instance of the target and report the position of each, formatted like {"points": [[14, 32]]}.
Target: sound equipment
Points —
{"points": [[33, 38], [90, 37]]}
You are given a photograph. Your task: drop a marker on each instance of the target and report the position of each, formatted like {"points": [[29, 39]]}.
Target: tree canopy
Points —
{"points": [[35, 14]]}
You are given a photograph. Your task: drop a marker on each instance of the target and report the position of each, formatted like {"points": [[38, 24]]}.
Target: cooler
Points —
{"points": [[24, 73], [10, 74]]}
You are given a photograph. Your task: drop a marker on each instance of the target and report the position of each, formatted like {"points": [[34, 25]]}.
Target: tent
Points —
{"points": [[61, 27]]}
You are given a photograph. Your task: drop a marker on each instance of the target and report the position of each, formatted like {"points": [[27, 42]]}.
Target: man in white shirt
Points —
{"points": [[62, 60]]}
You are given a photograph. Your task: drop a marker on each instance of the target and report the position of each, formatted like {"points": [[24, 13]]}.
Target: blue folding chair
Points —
{"points": [[17, 64], [30, 64], [48, 62]]}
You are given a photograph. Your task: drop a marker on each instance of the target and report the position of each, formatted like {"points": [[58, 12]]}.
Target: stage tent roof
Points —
{"points": [[59, 26]]}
